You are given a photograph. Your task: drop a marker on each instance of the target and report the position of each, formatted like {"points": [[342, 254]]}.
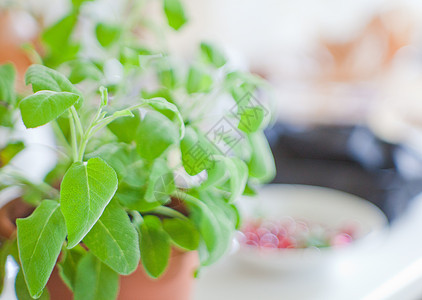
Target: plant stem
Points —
{"points": [[167, 211], [74, 139], [77, 121], [136, 217], [188, 198], [89, 133]]}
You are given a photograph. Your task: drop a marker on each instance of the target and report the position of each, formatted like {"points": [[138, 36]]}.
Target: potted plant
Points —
{"points": [[118, 200], [149, 173]]}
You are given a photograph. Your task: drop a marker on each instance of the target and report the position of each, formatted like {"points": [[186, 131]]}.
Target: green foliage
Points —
{"points": [[238, 176], [45, 106], [10, 151], [160, 184], [58, 41], [43, 78], [182, 233], [155, 134], [196, 152], [216, 222], [261, 165], [4, 252], [212, 55], [175, 13], [125, 128], [107, 34], [7, 94], [121, 197], [114, 240], [77, 3], [154, 243], [82, 69], [168, 109], [251, 118], [22, 292], [68, 265], [40, 238], [198, 81], [85, 191], [94, 280], [167, 78], [7, 82]]}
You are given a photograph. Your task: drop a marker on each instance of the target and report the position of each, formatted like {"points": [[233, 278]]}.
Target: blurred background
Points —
{"points": [[347, 79]]}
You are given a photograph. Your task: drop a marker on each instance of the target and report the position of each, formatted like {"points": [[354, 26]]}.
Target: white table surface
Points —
{"points": [[390, 270]]}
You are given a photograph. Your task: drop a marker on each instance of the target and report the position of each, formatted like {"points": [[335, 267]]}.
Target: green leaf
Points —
{"points": [[215, 221], [182, 233], [4, 252], [212, 55], [122, 113], [250, 190], [133, 197], [154, 243], [85, 191], [107, 34], [21, 289], [238, 176], [160, 185], [175, 13], [77, 3], [43, 78], [114, 240], [84, 69], [125, 128], [130, 56], [198, 81], [58, 35], [57, 38], [120, 157], [197, 152], [251, 118], [217, 174], [68, 265], [7, 83], [95, 280], [10, 151], [155, 134], [6, 116], [40, 238], [148, 189], [168, 109], [167, 78], [261, 165], [45, 106], [158, 93]]}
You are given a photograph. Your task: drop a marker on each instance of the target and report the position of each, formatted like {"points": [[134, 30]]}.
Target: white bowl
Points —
{"points": [[317, 205]]}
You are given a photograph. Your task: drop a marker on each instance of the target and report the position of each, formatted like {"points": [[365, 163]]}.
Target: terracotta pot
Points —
{"points": [[8, 215], [17, 28], [175, 284]]}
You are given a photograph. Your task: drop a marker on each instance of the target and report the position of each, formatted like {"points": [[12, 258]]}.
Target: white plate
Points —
{"points": [[316, 205]]}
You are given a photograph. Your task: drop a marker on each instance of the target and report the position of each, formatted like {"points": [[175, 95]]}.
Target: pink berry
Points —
{"points": [[268, 239], [252, 243], [250, 236], [341, 239]]}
